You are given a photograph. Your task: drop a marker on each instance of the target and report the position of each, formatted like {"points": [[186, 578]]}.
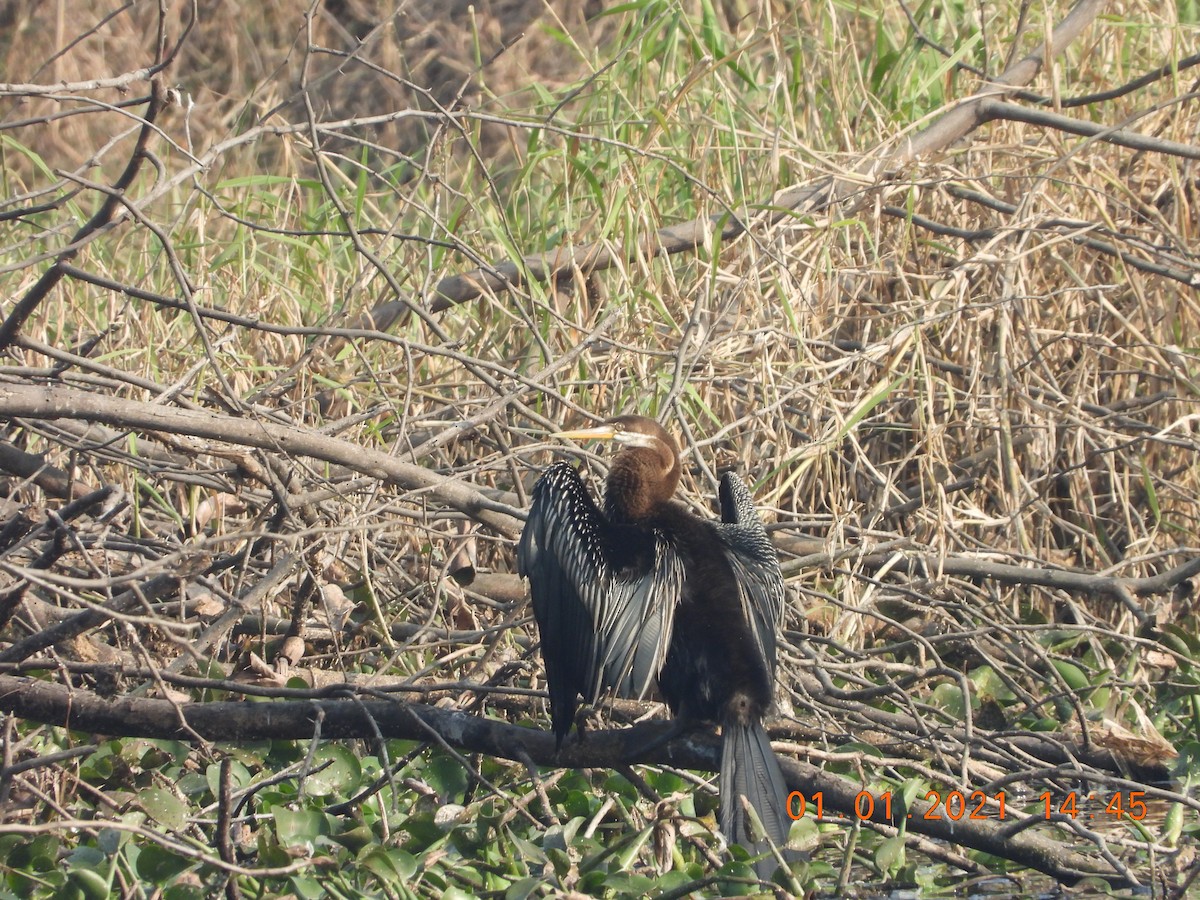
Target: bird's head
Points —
{"points": [[646, 471]]}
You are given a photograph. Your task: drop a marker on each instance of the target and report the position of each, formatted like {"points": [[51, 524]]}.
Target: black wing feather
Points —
{"points": [[755, 565], [604, 595]]}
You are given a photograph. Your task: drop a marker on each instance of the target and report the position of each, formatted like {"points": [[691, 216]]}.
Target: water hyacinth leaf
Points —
{"points": [[164, 807], [335, 771]]}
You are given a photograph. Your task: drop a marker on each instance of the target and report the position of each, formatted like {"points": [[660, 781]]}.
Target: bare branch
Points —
{"points": [[991, 110], [24, 307], [57, 402]]}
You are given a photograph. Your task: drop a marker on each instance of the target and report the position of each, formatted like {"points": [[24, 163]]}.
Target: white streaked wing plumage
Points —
{"points": [[572, 575], [755, 564]]}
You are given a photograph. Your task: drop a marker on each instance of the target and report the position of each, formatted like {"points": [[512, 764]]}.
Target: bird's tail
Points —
{"points": [[749, 769]]}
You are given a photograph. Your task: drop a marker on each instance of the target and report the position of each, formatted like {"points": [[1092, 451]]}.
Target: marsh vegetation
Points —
{"points": [[293, 296]]}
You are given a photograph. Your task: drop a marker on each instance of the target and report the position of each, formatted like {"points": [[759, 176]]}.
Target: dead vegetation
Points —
{"points": [[275, 423]]}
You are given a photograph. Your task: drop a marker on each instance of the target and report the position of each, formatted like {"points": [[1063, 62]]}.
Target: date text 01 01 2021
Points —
{"points": [[957, 805]]}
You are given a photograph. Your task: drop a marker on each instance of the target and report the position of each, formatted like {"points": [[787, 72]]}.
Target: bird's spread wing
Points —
{"points": [[755, 565], [604, 595]]}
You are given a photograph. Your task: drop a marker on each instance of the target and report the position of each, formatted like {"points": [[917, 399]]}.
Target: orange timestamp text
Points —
{"points": [[957, 805]]}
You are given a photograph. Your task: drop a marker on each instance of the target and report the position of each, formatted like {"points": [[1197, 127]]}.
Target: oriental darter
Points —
{"points": [[644, 591]]}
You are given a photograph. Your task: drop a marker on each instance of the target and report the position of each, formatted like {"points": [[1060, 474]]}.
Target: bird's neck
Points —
{"points": [[640, 483]]}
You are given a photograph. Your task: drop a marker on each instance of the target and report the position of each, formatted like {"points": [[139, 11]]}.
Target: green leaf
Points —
{"points": [[1070, 673], [864, 409], [629, 853], [519, 890], [299, 827], [356, 838], [186, 892], [239, 777], [447, 776], [90, 883], [889, 855], [390, 866], [336, 770], [164, 807], [624, 884], [157, 865], [950, 698], [307, 887]]}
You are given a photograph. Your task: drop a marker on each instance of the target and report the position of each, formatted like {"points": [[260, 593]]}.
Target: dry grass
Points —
{"points": [[1007, 393]]}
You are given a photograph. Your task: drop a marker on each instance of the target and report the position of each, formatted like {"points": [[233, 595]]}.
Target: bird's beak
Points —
{"points": [[598, 433]]}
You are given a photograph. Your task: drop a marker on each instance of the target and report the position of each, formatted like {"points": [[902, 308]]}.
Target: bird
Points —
{"points": [[644, 591]]}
